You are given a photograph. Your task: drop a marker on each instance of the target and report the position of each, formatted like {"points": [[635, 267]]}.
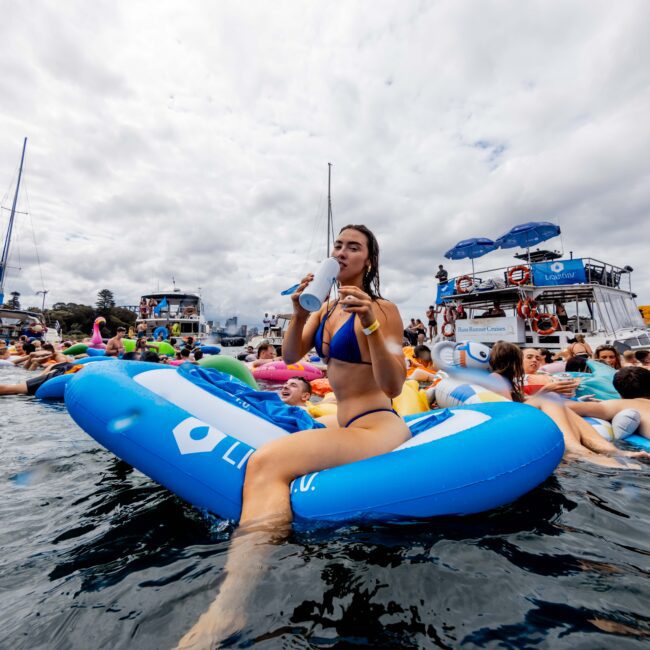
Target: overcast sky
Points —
{"points": [[192, 139]]}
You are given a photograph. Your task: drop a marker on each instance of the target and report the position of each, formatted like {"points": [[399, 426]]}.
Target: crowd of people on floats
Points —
{"points": [[51, 360], [360, 338], [530, 372], [368, 355]]}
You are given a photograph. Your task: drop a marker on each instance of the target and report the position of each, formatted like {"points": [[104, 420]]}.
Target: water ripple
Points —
{"points": [[94, 554]]}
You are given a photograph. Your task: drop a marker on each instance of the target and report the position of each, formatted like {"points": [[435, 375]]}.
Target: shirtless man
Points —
{"points": [[265, 354], [30, 386], [633, 384], [47, 354], [295, 392], [432, 324], [115, 347]]}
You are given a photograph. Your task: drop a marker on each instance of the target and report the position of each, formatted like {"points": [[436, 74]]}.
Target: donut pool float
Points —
{"points": [[279, 371]]}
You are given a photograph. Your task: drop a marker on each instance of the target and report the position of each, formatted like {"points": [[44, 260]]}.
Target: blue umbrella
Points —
{"points": [[528, 234], [471, 248]]}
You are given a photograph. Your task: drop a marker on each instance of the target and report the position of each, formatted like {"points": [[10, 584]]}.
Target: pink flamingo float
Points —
{"points": [[96, 340]]}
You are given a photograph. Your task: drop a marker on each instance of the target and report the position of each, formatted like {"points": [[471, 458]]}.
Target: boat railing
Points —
{"points": [[597, 272]]}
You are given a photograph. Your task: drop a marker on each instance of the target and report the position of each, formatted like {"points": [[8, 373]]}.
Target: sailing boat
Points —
{"points": [[16, 322]]}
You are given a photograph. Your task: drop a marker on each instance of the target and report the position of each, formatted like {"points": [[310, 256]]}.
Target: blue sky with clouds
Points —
{"points": [[192, 139]]}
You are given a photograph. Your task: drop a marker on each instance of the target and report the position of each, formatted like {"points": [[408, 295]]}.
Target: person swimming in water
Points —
{"points": [[359, 336]]}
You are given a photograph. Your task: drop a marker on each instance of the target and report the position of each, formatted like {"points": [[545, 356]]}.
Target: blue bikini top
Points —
{"points": [[343, 345]]}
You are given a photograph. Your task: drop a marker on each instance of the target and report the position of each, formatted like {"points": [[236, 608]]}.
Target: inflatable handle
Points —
{"points": [[442, 354]]}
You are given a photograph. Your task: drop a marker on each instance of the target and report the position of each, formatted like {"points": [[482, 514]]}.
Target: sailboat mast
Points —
{"points": [[5, 251], [330, 221]]}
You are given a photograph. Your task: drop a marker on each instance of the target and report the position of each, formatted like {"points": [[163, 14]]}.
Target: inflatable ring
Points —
{"points": [[449, 315], [526, 308], [278, 371], [550, 318], [196, 441], [448, 330], [521, 269], [464, 284], [231, 367], [161, 330]]}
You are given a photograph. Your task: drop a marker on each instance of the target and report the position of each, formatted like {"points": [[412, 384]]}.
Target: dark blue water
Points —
{"points": [[95, 555]]}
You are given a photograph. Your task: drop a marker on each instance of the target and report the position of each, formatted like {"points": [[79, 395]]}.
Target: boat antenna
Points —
{"points": [[5, 251], [330, 219]]}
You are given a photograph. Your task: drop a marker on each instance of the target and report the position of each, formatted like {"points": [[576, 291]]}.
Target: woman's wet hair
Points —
{"points": [[371, 276], [506, 360]]}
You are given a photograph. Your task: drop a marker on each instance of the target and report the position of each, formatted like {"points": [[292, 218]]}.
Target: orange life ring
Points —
{"points": [[448, 330], [449, 315], [551, 318], [464, 284], [526, 308], [525, 274]]}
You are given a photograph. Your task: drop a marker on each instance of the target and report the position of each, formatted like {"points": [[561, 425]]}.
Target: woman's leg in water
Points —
{"points": [[572, 439], [590, 438], [266, 513]]}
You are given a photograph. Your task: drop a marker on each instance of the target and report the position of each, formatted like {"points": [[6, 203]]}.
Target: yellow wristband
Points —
{"points": [[371, 328]]}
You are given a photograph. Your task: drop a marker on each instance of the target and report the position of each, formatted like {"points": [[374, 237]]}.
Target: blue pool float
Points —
{"points": [[209, 349], [161, 330], [193, 429], [54, 388]]}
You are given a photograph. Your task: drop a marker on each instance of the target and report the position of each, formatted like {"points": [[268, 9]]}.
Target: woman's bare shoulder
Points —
{"points": [[387, 308]]}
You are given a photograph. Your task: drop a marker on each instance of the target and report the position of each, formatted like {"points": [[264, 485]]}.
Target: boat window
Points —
{"points": [[618, 310]]}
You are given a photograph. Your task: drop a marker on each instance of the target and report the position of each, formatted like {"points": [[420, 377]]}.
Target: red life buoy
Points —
{"points": [[526, 308], [515, 270], [449, 315], [448, 330], [464, 284], [544, 317]]}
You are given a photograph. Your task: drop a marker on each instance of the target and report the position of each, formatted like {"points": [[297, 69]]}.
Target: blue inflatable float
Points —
{"points": [[193, 429], [161, 330], [54, 388], [209, 349]]}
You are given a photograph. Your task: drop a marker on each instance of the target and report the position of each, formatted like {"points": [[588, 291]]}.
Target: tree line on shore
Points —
{"points": [[77, 319]]}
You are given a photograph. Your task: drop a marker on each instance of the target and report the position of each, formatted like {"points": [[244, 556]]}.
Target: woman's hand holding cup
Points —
{"points": [[298, 309]]}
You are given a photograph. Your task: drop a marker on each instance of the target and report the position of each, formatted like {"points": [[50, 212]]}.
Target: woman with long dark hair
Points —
{"points": [[360, 337]]}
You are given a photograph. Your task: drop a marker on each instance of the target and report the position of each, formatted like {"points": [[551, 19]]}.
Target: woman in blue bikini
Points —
{"points": [[360, 335]]}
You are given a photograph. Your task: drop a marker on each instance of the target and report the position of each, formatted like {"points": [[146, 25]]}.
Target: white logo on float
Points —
{"points": [[188, 445], [304, 483], [556, 267]]}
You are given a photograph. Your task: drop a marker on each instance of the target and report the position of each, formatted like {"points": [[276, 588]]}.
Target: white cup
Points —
{"points": [[318, 289]]}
